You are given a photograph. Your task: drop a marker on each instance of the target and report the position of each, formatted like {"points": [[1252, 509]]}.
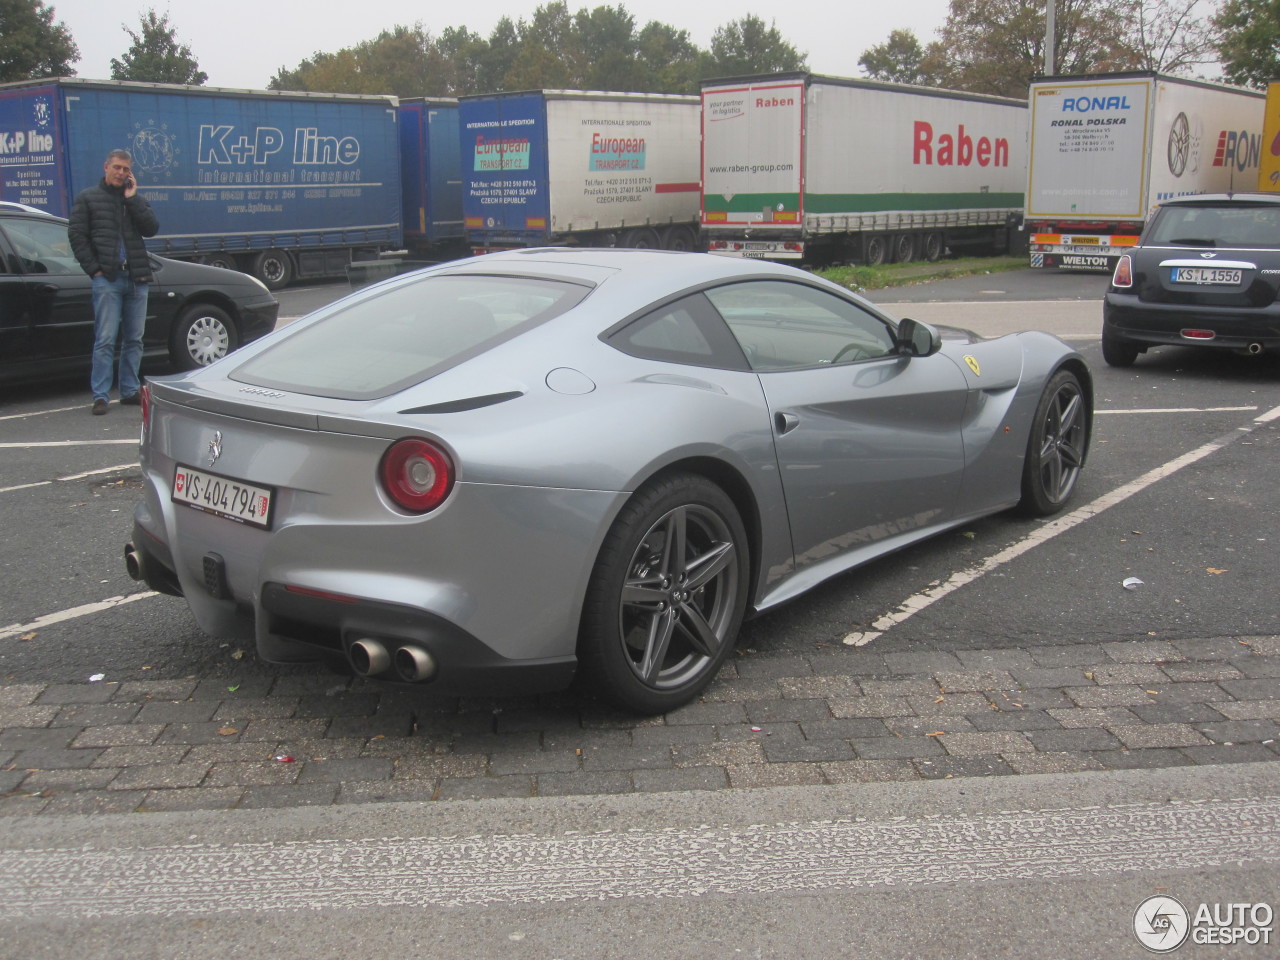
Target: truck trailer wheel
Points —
{"points": [[641, 238], [875, 250], [932, 247], [680, 238], [904, 248], [274, 268]]}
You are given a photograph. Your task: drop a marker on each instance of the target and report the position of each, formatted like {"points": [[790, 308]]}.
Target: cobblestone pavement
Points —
{"points": [[836, 715]]}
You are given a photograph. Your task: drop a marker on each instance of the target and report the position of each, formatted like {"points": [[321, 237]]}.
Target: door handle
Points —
{"points": [[784, 423]]}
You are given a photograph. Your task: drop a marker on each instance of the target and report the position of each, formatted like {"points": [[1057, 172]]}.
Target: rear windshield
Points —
{"points": [[378, 345], [1227, 225]]}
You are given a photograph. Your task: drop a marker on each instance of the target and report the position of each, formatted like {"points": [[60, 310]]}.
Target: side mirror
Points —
{"points": [[916, 339]]}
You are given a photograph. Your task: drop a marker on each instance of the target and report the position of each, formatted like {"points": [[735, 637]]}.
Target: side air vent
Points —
{"points": [[471, 403]]}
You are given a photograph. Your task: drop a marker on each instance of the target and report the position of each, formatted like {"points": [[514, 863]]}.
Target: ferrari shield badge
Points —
{"points": [[973, 365]]}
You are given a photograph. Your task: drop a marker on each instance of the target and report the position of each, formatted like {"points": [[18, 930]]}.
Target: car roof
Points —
{"points": [[1222, 198], [8, 206], [592, 265]]}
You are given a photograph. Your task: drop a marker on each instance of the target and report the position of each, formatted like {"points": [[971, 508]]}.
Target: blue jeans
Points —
{"points": [[119, 312]]}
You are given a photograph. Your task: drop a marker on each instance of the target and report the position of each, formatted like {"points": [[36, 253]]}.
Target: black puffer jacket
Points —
{"points": [[98, 218]]}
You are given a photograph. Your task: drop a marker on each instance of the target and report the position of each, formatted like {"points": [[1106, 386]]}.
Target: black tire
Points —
{"points": [[1056, 447], [202, 334], [904, 248], [875, 250], [666, 597], [681, 238], [274, 268], [641, 238], [932, 247], [1117, 351]]}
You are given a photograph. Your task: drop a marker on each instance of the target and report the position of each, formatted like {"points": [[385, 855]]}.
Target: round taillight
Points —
{"points": [[416, 474]]}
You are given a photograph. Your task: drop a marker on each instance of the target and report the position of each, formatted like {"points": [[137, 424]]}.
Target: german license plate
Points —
{"points": [[223, 497], [1223, 275]]}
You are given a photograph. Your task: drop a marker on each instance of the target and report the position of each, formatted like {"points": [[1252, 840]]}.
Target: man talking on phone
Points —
{"points": [[107, 227]]}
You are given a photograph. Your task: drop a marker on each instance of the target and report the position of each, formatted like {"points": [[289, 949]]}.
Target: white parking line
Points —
{"points": [[31, 445], [74, 476], [1182, 410], [920, 601], [83, 610], [40, 413]]}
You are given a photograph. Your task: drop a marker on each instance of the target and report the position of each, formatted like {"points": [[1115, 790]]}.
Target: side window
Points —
{"points": [[783, 326], [686, 331], [41, 247]]}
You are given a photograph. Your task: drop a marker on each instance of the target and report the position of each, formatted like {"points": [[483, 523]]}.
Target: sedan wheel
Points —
{"points": [[1056, 448], [667, 596], [201, 335]]}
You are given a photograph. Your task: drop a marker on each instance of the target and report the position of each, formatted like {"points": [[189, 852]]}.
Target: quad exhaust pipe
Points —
{"points": [[1254, 349], [409, 662]]}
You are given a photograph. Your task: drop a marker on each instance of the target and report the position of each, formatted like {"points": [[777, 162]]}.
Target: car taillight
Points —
{"points": [[1123, 277], [416, 474], [144, 396]]}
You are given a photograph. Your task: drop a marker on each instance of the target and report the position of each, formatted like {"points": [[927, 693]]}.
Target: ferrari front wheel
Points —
{"points": [[1056, 447], [667, 596]]}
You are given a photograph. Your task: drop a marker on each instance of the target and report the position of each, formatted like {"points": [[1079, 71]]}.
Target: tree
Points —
{"points": [[593, 49], [32, 46], [156, 56], [606, 41], [748, 46], [1249, 41], [403, 61], [670, 60], [997, 46], [547, 55], [901, 59], [1169, 35]]}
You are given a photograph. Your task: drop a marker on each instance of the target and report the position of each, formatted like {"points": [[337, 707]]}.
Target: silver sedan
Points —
{"points": [[507, 473]]}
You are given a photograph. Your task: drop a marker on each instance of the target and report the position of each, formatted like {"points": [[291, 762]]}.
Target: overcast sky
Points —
{"points": [[241, 43]]}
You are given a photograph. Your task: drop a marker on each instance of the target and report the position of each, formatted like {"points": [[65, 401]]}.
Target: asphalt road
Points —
{"points": [[1181, 487]]}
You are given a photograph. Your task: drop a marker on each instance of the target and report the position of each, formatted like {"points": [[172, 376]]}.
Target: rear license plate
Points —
{"points": [[1222, 275], [223, 497]]}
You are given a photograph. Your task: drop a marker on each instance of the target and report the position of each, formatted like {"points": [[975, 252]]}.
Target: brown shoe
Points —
{"points": [[99, 407], [132, 400]]}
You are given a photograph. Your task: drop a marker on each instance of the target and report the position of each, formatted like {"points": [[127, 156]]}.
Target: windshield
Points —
{"points": [[1223, 225], [377, 345]]}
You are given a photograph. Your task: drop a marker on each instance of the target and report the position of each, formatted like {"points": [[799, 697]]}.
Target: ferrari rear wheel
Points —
{"points": [[667, 596], [1056, 447]]}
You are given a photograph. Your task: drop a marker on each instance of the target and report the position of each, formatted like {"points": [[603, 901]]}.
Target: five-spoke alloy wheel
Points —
{"points": [[1057, 446], [667, 595]]}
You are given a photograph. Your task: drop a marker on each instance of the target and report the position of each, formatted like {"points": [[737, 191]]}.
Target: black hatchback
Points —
{"points": [[1206, 273], [195, 313]]}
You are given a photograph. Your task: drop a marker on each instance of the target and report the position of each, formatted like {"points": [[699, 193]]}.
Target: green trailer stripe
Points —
{"points": [[752, 202]]}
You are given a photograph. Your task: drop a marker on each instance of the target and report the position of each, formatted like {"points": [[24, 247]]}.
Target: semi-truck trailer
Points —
{"points": [[277, 184], [1106, 149], [577, 167], [798, 166]]}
